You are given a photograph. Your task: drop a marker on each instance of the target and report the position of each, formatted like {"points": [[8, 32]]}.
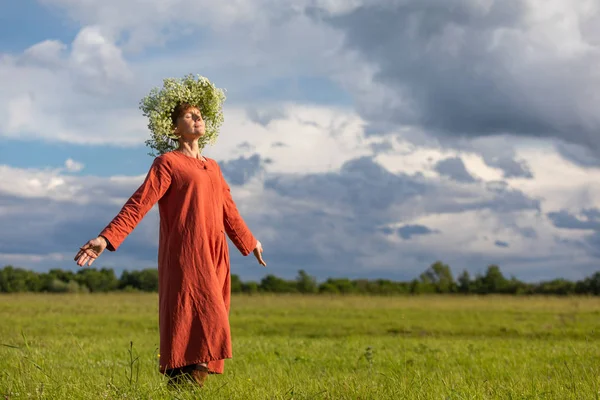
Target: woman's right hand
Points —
{"points": [[90, 251]]}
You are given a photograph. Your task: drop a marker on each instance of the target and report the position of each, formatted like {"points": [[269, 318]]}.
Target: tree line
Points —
{"points": [[438, 278]]}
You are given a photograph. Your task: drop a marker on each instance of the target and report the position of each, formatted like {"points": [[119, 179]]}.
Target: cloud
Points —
{"points": [[264, 116], [589, 219], [73, 166], [408, 231], [455, 169], [309, 139], [579, 155], [512, 168], [330, 223], [240, 170], [46, 54], [476, 68], [59, 94], [500, 243], [98, 62], [350, 214], [586, 220]]}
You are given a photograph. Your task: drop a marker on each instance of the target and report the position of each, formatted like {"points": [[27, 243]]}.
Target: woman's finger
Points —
{"points": [[86, 258], [79, 253], [82, 250], [91, 253], [260, 260]]}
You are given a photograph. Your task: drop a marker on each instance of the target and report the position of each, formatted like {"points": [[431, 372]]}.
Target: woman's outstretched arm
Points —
{"points": [[155, 185], [236, 228]]}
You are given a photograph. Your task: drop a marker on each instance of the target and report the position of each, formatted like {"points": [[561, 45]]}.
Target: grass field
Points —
{"points": [[294, 347]]}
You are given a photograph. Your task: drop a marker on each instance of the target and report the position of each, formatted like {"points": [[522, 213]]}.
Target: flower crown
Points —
{"points": [[159, 104]]}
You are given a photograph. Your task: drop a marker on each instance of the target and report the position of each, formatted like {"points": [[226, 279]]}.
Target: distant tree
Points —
{"points": [[58, 286], [365, 286], [436, 279], [306, 283], [250, 287], [419, 286], [343, 285], [589, 285], [556, 287], [328, 288], [149, 280], [103, 280], [8, 281], [145, 280], [236, 284], [440, 276], [464, 282], [515, 286], [273, 284], [491, 282]]}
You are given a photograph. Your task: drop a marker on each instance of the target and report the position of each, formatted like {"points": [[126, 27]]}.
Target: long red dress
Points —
{"points": [[196, 210]]}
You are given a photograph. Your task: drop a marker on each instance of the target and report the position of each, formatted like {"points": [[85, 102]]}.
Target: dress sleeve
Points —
{"points": [[155, 185], [235, 227]]}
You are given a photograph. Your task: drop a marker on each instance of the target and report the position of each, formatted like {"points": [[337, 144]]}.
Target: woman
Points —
{"points": [[196, 210]]}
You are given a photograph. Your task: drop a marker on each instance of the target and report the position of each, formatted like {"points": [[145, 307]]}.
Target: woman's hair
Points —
{"points": [[179, 110]]}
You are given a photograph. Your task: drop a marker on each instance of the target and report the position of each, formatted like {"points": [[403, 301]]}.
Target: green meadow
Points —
{"points": [[105, 346]]}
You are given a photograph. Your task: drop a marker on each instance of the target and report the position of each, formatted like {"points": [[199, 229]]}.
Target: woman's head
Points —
{"points": [[187, 122]]}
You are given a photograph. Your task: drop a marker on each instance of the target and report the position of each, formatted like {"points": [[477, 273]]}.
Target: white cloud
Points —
{"points": [[49, 53], [304, 139], [73, 166], [98, 62], [63, 101]]}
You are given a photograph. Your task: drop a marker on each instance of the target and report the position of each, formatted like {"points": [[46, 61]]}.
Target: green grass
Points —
{"points": [[294, 347]]}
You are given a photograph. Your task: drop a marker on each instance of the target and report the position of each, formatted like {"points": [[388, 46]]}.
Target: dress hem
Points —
{"points": [[163, 369]]}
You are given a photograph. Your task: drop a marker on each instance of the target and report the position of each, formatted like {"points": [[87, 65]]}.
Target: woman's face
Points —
{"points": [[190, 124]]}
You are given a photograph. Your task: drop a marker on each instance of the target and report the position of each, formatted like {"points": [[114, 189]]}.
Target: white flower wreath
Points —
{"points": [[159, 104]]}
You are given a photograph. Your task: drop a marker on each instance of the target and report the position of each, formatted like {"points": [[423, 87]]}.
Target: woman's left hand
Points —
{"points": [[258, 254]]}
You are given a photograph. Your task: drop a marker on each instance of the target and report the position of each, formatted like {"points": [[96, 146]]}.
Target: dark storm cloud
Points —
{"points": [[578, 155], [264, 116], [368, 189], [406, 232], [356, 207], [500, 243], [588, 220], [361, 185], [245, 146], [455, 169], [382, 147], [527, 232], [345, 217], [566, 220], [242, 169], [511, 168], [475, 69], [39, 226], [496, 196]]}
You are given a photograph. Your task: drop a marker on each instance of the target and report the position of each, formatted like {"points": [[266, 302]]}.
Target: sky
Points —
{"points": [[362, 138]]}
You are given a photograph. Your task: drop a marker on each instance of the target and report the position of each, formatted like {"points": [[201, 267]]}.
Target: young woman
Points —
{"points": [[196, 211]]}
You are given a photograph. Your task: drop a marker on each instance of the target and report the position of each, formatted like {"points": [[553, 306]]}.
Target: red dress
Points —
{"points": [[196, 210]]}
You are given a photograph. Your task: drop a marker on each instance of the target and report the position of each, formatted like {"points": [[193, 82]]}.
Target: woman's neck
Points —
{"points": [[190, 149]]}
